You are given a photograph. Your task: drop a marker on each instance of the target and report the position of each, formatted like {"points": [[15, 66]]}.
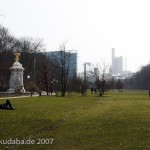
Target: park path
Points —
{"points": [[34, 95], [7, 97]]}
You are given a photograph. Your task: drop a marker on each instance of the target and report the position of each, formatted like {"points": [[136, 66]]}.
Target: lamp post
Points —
{"points": [[28, 77], [54, 86]]}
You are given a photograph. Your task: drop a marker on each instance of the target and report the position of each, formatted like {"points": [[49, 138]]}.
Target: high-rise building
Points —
{"points": [[72, 60], [119, 64]]}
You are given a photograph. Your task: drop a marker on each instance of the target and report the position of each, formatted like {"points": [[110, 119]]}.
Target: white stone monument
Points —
{"points": [[16, 77]]}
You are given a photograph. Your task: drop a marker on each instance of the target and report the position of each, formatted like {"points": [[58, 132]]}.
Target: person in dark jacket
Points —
{"points": [[6, 105]]}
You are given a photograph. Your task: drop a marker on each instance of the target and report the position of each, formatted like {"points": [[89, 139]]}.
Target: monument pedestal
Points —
{"points": [[16, 78]]}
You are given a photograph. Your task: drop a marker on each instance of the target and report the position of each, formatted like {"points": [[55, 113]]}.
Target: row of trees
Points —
{"points": [[51, 73], [46, 73], [140, 79]]}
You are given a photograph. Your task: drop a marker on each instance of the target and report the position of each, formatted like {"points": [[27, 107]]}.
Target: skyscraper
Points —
{"points": [[119, 64]]}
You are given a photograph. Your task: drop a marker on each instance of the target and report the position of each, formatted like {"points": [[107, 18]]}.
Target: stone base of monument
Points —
{"points": [[13, 90], [12, 94]]}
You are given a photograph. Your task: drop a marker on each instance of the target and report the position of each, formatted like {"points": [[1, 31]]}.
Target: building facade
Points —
{"points": [[119, 64], [72, 56]]}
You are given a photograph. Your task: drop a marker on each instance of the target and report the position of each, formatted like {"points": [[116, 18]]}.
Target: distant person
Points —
{"points": [[95, 90], [149, 92], [91, 90], [6, 105]]}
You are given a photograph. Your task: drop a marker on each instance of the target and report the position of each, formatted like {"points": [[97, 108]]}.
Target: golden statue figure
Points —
{"points": [[17, 56]]}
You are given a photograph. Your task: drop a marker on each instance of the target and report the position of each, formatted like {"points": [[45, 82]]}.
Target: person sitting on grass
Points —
{"points": [[6, 105]]}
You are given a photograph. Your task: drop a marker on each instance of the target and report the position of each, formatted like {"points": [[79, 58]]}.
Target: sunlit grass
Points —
{"points": [[115, 121]]}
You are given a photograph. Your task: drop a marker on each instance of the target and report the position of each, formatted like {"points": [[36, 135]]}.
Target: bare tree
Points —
{"points": [[60, 65], [7, 41], [6, 56], [29, 49], [44, 75], [102, 79]]}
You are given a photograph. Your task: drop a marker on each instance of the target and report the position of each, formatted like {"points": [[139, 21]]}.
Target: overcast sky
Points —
{"points": [[93, 27]]}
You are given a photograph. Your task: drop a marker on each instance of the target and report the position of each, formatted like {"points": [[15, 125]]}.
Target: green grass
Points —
{"points": [[116, 121]]}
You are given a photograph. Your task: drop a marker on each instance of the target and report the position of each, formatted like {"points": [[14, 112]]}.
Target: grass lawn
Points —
{"points": [[116, 121]]}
